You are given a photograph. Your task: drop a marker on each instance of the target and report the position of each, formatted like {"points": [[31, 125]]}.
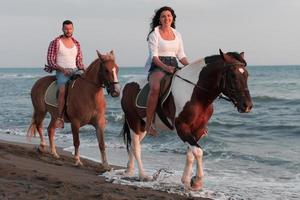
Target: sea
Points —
{"points": [[246, 156]]}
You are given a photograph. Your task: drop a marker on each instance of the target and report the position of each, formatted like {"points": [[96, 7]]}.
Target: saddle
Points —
{"points": [[51, 96], [164, 99]]}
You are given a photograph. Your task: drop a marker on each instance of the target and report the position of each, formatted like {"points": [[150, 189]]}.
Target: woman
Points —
{"points": [[165, 45]]}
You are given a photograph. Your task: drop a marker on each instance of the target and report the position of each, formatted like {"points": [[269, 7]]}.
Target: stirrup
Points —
{"points": [[59, 123]]}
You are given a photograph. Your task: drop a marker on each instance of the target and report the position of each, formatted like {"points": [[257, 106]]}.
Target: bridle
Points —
{"points": [[225, 79], [106, 84]]}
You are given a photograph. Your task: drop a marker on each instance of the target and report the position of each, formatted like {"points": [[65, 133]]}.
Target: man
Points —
{"points": [[64, 56]]}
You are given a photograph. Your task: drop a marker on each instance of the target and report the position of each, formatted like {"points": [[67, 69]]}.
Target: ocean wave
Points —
{"points": [[115, 117], [275, 129], [133, 76], [232, 155], [13, 131], [164, 179], [269, 99], [217, 123], [20, 76]]}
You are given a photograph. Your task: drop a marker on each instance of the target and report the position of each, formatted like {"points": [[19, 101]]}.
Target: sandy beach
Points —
{"points": [[27, 174]]}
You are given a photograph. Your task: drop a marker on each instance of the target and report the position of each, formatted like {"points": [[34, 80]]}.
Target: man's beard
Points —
{"points": [[68, 35]]}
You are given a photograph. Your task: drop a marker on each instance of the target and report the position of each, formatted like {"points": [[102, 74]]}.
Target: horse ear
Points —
{"points": [[221, 53], [101, 57], [242, 54], [112, 52], [224, 56], [98, 53]]}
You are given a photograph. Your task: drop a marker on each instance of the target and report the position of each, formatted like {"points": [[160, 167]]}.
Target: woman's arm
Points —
{"points": [[184, 61]]}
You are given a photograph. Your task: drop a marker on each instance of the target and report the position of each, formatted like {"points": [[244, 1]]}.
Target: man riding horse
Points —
{"points": [[64, 56]]}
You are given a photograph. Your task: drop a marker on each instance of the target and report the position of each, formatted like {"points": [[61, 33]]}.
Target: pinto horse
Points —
{"points": [[190, 106], [85, 104]]}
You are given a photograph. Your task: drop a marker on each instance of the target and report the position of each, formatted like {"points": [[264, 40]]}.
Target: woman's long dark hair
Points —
{"points": [[155, 20]]}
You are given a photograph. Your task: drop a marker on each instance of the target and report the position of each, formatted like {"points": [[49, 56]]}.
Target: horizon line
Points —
{"points": [[260, 65]]}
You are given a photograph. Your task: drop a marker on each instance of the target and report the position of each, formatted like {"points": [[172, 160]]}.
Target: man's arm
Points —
{"points": [[51, 57], [79, 57]]}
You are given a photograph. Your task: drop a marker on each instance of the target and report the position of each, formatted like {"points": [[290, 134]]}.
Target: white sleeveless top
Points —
{"points": [[159, 47], [66, 57]]}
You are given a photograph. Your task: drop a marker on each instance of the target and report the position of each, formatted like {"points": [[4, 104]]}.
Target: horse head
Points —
{"points": [[109, 73], [233, 83]]}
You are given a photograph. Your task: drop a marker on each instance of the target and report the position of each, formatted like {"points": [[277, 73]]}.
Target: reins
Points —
{"points": [[194, 84], [92, 83], [206, 90]]}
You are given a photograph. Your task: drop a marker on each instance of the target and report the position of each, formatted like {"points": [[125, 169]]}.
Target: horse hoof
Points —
{"points": [[40, 149], [55, 155], [145, 178], [106, 167], [78, 163], [186, 184], [196, 183], [128, 173]]}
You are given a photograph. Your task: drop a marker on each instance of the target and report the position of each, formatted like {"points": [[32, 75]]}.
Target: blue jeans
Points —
{"points": [[61, 79]]}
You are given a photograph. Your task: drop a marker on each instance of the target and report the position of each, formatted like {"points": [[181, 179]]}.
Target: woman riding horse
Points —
{"points": [[165, 44], [190, 106]]}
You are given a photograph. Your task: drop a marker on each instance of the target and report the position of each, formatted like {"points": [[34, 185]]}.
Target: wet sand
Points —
{"points": [[27, 174]]}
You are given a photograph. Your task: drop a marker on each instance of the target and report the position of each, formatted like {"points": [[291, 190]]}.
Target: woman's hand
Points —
{"points": [[169, 69]]}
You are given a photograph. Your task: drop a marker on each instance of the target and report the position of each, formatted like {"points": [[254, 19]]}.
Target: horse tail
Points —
{"points": [[31, 131], [126, 134]]}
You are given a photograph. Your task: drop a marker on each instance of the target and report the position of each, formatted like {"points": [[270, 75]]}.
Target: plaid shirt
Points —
{"points": [[52, 53]]}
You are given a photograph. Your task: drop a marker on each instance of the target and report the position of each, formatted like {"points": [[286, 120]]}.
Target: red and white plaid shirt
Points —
{"points": [[52, 53]]}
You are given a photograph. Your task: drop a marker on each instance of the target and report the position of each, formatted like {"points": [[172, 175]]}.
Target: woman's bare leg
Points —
{"points": [[154, 83]]}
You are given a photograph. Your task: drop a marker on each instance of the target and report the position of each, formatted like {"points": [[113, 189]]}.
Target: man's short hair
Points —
{"points": [[67, 22]]}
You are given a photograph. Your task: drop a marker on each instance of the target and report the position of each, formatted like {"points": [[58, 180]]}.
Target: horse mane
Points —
{"points": [[95, 62], [238, 57], [107, 57], [218, 58]]}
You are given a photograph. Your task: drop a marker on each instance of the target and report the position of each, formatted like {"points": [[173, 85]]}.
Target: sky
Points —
{"points": [[268, 31]]}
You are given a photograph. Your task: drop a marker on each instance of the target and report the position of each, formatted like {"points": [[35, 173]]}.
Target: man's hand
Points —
{"points": [[67, 72]]}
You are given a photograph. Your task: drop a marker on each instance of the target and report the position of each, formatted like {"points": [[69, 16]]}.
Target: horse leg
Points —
{"points": [[184, 132], [100, 136], [186, 177], [51, 132], [136, 146], [76, 143], [196, 182], [39, 126], [130, 164]]}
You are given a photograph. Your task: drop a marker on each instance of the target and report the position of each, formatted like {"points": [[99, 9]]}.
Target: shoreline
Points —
{"points": [[27, 174]]}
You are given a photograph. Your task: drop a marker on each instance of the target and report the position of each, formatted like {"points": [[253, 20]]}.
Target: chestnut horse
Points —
{"points": [[85, 104], [189, 108]]}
